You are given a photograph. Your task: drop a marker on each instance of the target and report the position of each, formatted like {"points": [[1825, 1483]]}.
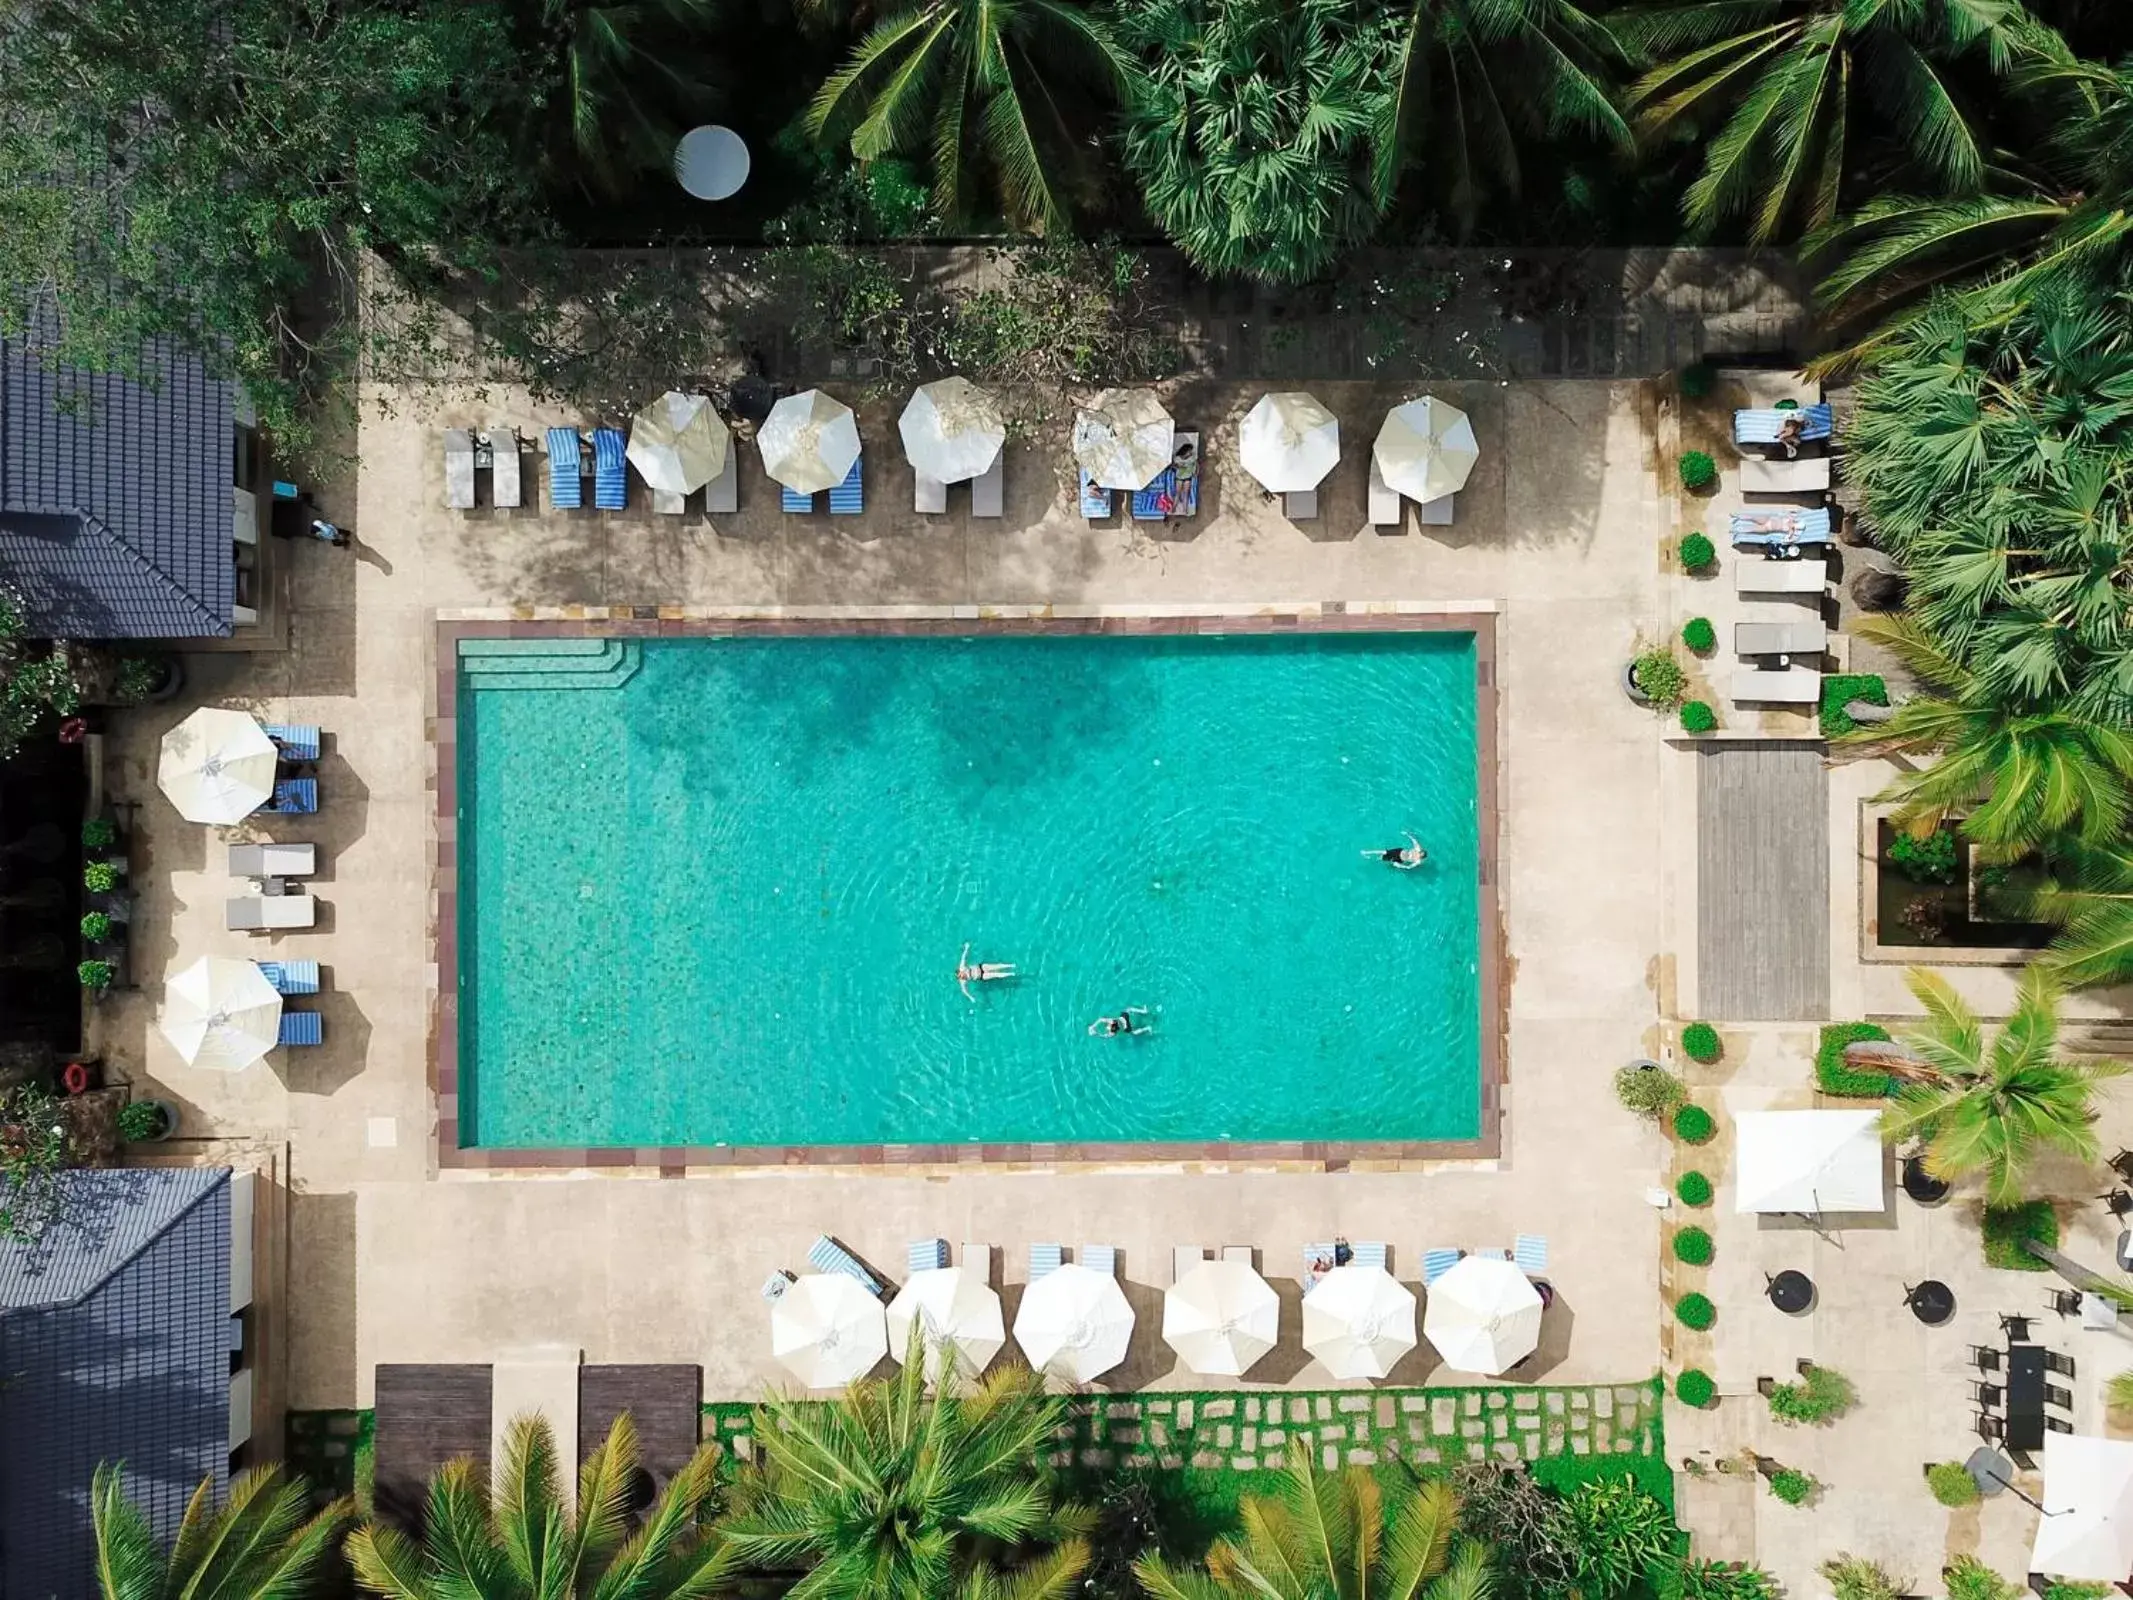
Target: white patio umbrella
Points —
{"points": [[1358, 1321], [952, 430], [679, 442], [1289, 442], [827, 1331], [2086, 1531], [1123, 438], [1808, 1161], [1074, 1323], [1483, 1316], [221, 1013], [1426, 449], [809, 441], [216, 766], [959, 1313], [1221, 1317]]}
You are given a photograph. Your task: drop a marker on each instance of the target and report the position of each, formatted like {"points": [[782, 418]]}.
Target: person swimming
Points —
{"points": [[1123, 1023], [968, 972], [1406, 857]]}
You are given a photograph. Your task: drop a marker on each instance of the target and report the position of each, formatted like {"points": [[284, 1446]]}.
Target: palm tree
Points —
{"points": [[1473, 79], [524, 1545], [1785, 86], [624, 79], [262, 1543], [986, 84], [1328, 1537], [888, 1494], [1250, 132], [1986, 1108], [2090, 895]]}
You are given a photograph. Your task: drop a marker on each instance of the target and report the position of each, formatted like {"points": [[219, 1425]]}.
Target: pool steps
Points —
{"points": [[486, 664]]}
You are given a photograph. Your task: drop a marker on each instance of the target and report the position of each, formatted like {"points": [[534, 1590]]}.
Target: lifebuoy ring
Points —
{"points": [[75, 1078]]}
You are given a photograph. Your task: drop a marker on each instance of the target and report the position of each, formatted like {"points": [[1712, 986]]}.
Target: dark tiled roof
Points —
{"points": [[114, 1338], [115, 497]]}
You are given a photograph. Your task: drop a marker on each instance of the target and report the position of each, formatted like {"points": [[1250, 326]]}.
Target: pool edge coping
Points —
{"points": [[1478, 618]]}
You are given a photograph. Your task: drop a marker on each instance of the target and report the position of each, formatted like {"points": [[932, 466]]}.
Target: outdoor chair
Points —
{"points": [[506, 492], [458, 470], [775, 1285], [1043, 1259], [827, 1255], [2055, 1362], [1987, 1395], [2066, 1302], [298, 860], [849, 498], [295, 796], [1436, 1263], [988, 490], [1991, 1428], [302, 1028], [2056, 1396], [296, 741], [611, 478], [566, 469], [923, 1255], [2118, 1202], [2016, 1328], [929, 496], [1101, 1258], [722, 495], [266, 913], [1985, 1358], [1185, 1257], [2057, 1425], [2122, 1164], [290, 977]]}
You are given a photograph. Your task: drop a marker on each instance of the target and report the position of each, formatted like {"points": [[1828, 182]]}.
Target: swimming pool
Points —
{"points": [[712, 891]]}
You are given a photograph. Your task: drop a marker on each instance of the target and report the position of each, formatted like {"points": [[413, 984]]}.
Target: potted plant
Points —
{"points": [[99, 833], [98, 927], [1654, 678], [147, 1121], [101, 877], [96, 975], [142, 679]]}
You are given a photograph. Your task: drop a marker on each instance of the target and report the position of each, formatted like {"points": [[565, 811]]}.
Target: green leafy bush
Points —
{"points": [[1792, 1486], [1696, 552], [1927, 860], [96, 927], [1832, 1076], [1699, 1042], [140, 1119], [1698, 470], [99, 833], [1695, 1311], [1696, 380], [2007, 1228], [1694, 1189], [1698, 717], [1692, 1247], [1821, 1395], [1659, 677], [1619, 1533], [1649, 1090], [2086, 1590], [1853, 1577], [95, 974], [1698, 634], [1695, 1387], [99, 877], [1693, 1125], [1840, 690], [1952, 1486], [1967, 1578], [1713, 1580]]}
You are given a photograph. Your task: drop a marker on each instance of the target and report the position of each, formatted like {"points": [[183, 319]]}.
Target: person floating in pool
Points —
{"points": [[1406, 857], [1126, 1022], [968, 972]]}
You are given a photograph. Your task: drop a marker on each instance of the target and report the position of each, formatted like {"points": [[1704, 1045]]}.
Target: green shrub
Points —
{"points": [[1694, 1189], [2008, 1228], [1696, 380], [1832, 1076], [1698, 470], [1698, 717], [1927, 860], [1967, 1578], [96, 927], [1659, 677], [1649, 1090], [1698, 634], [1692, 1247], [1693, 1125], [1696, 552], [140, 1119], [99, 877], [95, 974], [1952, 1485], [2085, 1590], [1617, 1531], [1695, 1311], [1695, 1388], [99, 833], [1792, 1486], [1699, 1042], [1839, 690], [1712, 1580], [1821, 1395], [1853, 1577]]}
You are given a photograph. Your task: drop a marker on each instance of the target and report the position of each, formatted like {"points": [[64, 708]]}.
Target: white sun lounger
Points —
{"points": [[988, 490], [1384, 502], [928, 495], [1183, 1258], [1436, 513], [666, 503], [1793, 686], [505, 490], [1803, 636], [1807, 575], [722, 495], [976, 1258], [1300, 505], [273, 860], [458, 469], [263, 913], [1240, 1254], [1759, 475]]}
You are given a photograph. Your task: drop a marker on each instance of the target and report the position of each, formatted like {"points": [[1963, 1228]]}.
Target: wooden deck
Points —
{"points": [[1762, 883], [664, 1400], [426, 1416]]}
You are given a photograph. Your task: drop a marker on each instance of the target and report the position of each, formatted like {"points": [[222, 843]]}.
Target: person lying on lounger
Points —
{"points": [[1789, 432], [1406, 857], [1766, 522], [1123, 1023], [968, 972]]}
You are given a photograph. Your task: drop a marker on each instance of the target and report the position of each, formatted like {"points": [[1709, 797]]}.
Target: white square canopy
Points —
{"points": [[1808, 1161], [2086, 1531]]}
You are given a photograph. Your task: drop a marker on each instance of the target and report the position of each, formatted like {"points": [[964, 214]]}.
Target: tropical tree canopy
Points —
{"points": [[1987, 1107], [889, 1494], [983, 85], [1250, 131], [261, 1543], [525, 1545], [2089, 893], [628, 73]]}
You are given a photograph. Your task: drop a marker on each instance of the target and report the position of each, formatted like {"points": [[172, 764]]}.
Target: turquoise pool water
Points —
{"points": [[714, 890]]}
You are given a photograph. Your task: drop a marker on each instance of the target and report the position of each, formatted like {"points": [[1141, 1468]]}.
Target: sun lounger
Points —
{"points": [[1493, 1253], [1384, 499], [263, 913], [1300, 505], [1530, 1251], [722, 495], [297, 741], [929, 495], [611, 475], [566, 469], [827, 1255], [458, 470], [295, 796], [988, 490], [1044, 1258], [666, 503], [849, 498], [302, 1028], [1096, 504], [923, 1255], [1176, 489], [1241, 1255], [1183, 1259], [505, 490], [1761, 425], [1804, 636], [290, 977], [1779, 528], [1367, 1253], [1436, 513], [794, 503], [1789, 686], [1806, 473], [976, 1258], [774, 1287], [1436, 1263], [273, 860], [1809, 575], [1099, 1258]]}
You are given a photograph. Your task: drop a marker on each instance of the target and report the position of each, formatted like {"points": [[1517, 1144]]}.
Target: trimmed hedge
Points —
{"points": [[1698, 470], [1695, 1388], [1696, 1311], [1696, 551], [1698, 717], [1694, 1125], [1699, 1042], [1839, 689], [1832, 1076], [1952, 1484], [1698, 634], [1692, 1247], [1694, 1189], [2006, 1228]]}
